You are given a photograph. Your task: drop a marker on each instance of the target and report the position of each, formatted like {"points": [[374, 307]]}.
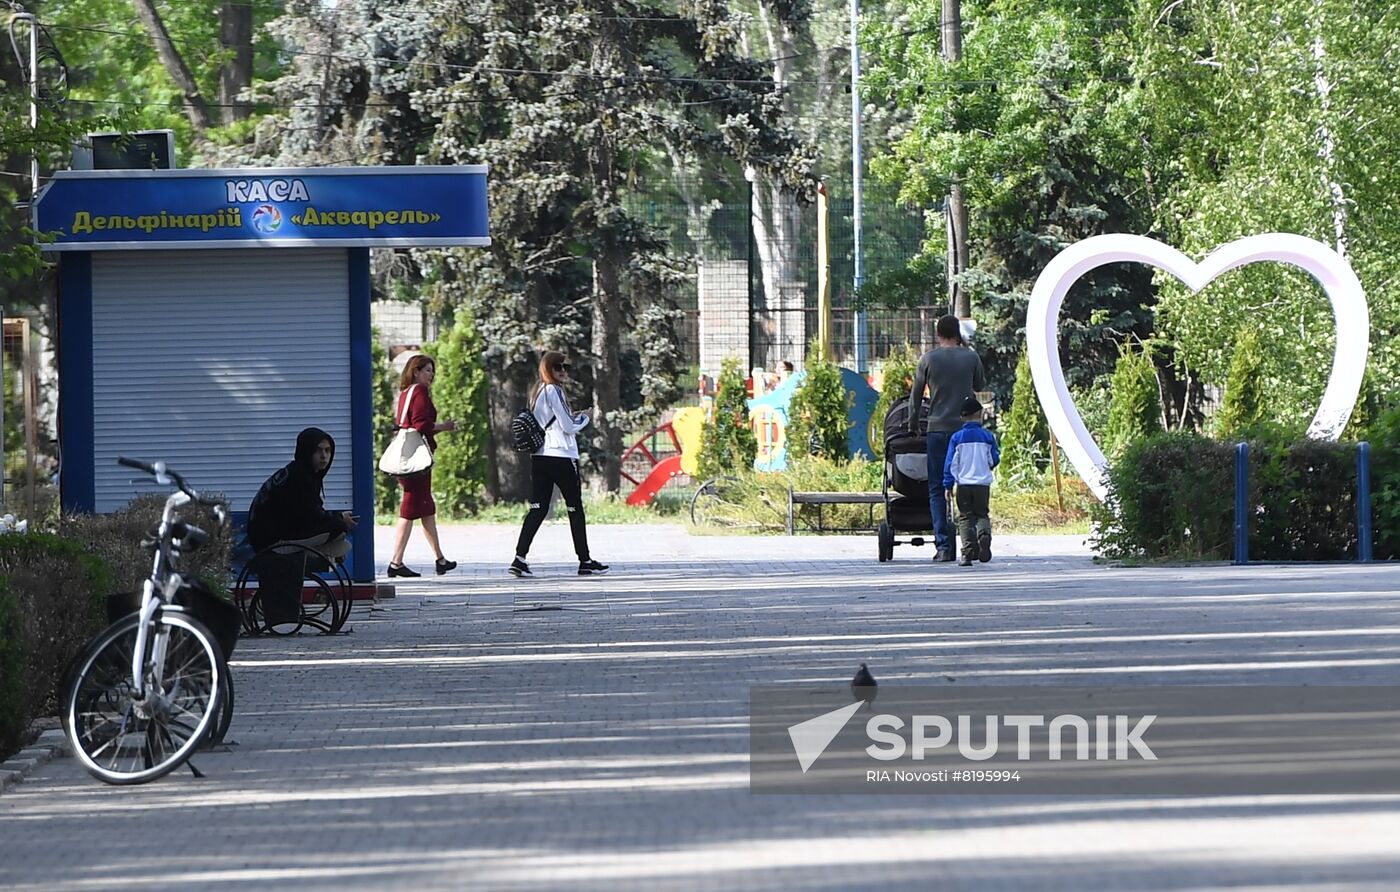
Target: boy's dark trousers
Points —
{"points": [[974, 516]]}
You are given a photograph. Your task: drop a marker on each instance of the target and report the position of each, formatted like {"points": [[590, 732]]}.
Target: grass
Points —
{"points": [[1036, 510], [756, 504], [670, 506]]}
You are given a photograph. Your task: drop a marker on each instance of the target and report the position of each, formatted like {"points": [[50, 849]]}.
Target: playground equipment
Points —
{"points": [[769, 416], [656, 466]]}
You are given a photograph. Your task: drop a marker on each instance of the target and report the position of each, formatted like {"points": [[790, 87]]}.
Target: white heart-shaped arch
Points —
{"points": [[1330, 270]]}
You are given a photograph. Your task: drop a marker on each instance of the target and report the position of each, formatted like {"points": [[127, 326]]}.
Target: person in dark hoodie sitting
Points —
{"points": [[289, 508]]}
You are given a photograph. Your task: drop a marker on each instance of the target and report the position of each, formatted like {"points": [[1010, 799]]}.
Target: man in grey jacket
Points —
{"points": [[952, 372]]}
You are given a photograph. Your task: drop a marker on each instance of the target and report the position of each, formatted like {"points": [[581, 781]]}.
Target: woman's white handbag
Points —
{"points": [[408, 452]]}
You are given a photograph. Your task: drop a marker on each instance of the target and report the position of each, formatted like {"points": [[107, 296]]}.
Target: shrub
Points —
{"points": [[14, 708], [115, 539], [1384, 437], [899, 370], [1024, 433], [727, 444], [1172, 496], [819, 417], [1093, 403], [1302, 501], [1169, 496], [459, 392], [1243, 408], [51, 606], [1136, 409]]}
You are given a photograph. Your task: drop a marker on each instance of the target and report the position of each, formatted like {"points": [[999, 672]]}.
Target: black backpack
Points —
{"points": [[526, 433]]}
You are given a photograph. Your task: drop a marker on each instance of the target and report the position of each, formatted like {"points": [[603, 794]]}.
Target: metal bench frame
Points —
{"points": [[328, 609], [831, 498]]}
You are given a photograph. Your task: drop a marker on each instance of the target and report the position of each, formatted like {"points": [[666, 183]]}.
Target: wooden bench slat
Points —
{"points": [[837, 498], [827, 498]]}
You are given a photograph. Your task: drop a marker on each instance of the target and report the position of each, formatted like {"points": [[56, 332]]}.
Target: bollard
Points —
{"points": [[1364, 525], [1242, 503]]}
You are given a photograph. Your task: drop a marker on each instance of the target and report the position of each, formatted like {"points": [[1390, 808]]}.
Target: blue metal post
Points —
{"points": [[1242, 503], [1364, 527]]}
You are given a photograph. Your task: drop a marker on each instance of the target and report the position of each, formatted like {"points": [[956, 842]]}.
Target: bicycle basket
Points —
{"points": [[221, 616]]}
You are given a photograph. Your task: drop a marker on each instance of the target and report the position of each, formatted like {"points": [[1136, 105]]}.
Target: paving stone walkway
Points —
{"points": [[563, 733]]}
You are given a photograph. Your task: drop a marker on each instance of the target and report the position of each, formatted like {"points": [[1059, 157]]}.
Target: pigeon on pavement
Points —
{"points": [[863, 686]]}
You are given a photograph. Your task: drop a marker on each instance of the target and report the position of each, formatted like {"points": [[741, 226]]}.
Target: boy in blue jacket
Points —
{"points": [[972, 453]]}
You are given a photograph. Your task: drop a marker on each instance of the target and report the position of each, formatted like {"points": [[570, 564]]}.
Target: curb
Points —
{"points": [[50, 745]]}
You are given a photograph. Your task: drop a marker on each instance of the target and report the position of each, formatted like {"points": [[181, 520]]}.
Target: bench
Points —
{"points": [[283, 588], [830, 498]]}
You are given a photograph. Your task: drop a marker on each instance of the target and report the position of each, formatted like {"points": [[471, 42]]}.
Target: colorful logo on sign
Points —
{"points": [[266, 218]]}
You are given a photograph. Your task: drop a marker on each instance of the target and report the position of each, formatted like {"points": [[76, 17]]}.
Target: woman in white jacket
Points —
{"points": [[556, 464]]}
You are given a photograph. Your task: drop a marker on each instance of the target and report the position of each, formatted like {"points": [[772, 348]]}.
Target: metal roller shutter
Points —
{"points": [[191, 367]]}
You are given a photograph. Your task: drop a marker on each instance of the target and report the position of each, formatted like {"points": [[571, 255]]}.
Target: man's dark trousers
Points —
{"points": [[937, 498]]}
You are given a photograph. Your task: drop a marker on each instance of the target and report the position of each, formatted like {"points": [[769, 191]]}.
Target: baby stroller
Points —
{"points": [[906, 480]]}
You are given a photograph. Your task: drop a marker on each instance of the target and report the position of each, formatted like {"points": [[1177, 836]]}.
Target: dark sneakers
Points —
{"points": [[519, 568], [444, 566], [984, 547], [965, 562], [401, 570], [944, 556], [591, 568]]}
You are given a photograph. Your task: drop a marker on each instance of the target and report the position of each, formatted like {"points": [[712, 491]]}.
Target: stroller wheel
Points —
{"points": [[886, 542]]}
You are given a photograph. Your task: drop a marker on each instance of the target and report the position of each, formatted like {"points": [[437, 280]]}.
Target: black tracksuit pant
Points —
{"points": [[547, 472]]}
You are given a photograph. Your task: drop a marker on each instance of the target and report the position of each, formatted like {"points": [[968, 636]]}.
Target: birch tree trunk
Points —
{"points": [[1327, 144]]}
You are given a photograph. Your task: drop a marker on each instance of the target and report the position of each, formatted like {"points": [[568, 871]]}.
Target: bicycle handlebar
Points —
{"points": [[138, 465], [164, 474]]}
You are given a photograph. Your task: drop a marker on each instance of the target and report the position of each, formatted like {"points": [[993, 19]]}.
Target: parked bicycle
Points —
{"points": [[150, 689]]}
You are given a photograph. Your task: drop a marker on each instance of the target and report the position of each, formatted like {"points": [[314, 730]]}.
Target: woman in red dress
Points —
{"points": [[417, 501]]}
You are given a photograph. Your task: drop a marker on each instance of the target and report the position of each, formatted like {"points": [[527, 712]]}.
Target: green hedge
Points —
{"points": [[51, 603], [1172, 496], [115, 539], [1384, 436]]}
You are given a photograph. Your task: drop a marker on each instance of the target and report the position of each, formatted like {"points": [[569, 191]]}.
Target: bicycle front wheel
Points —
{"points": [[122, 739]]}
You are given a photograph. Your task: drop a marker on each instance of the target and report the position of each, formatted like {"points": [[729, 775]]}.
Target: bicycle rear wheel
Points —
{"points": [[122, 740]]}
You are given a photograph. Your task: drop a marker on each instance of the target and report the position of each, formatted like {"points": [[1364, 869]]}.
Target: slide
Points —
{"points": [[659, 477]]}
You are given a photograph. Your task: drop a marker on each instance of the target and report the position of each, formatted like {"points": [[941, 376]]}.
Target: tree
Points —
{"points": [[23, 269], [1024, 433], [727, 443], [1244, 407], [460, 394], [819, 415], [186, 66], [1273, 118], [1029, 124], [565, 132], [1136, 409], [898, 378]]}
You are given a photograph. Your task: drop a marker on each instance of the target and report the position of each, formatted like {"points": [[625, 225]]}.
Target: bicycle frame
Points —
{"points": [[157, 592]]}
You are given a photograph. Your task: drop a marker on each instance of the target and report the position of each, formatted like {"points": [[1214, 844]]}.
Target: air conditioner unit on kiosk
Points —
{"points": [[138, 150]]}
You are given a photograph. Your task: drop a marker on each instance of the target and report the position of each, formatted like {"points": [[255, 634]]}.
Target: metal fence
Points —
{"points": [[733, 309]]}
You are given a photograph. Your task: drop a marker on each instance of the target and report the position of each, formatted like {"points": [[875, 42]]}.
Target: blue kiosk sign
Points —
{"points": [[265, 207], [205, 317]]}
